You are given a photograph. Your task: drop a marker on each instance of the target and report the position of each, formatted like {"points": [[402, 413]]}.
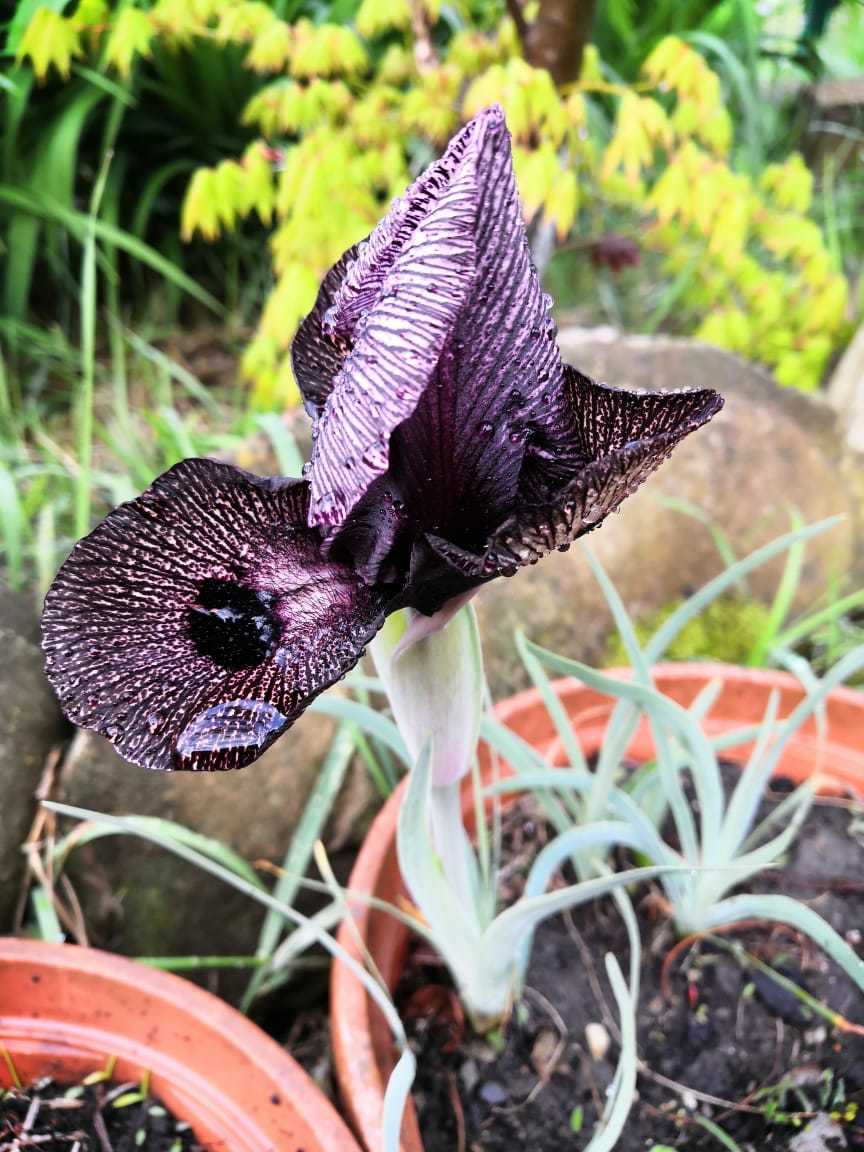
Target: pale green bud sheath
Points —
{"points": [[435, 687]]}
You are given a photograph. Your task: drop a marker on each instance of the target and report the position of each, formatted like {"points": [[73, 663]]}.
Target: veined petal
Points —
{"points": [[454, 379], [605, 419], [629, 434], [195, 624], [317, 356], [397, 306], [498, 397]]}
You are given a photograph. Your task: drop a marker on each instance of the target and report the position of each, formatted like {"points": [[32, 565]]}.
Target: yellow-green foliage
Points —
{"points": [[727, 630], [351, 112]]}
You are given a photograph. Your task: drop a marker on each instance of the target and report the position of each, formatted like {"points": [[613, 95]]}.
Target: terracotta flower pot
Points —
{"points": [[362, 1044], [65, 1010]]}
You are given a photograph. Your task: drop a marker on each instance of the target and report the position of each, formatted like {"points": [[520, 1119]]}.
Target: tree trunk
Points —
{"points": [[555, 40]]}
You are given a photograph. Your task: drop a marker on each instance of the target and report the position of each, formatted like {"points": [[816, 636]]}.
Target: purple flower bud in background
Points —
{"points": [[451, 446], [615, 253]]}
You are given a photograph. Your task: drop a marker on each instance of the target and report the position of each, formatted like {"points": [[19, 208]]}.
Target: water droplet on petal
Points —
{"points": [[234, 724]]}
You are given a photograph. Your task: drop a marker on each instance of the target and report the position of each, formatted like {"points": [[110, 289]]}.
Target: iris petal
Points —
{"points": [[195, 623], [498, 393], [317, 356], [628, 434], [454, 378], [397, 306]]}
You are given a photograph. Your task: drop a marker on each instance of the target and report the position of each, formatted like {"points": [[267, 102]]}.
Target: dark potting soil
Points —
{"points": [[724, 1042], [51, 1117]]}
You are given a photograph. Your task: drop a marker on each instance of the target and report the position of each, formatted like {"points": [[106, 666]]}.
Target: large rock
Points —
{"points": [[770, 450], [845, 391], [834, 110], [142, 900], [30, 724]]}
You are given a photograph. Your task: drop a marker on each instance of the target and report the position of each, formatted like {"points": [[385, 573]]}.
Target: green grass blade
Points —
{"points": [[806, 626], [717, 1132], [669, 629], [504, 935], [199, 963], [785, 910], [150, 192], [366, 719], [603, 834], [12, 527], [311, 825], [45, 550], [745, 87], [615, 1118], [523, 759], [747, 794], [84, 439], [6, 406], [75, 222], [47, 924], [283, 443], [553, 705], [396, 1098], [782, 602], [721, 541], [174, 371], [156, 827]]}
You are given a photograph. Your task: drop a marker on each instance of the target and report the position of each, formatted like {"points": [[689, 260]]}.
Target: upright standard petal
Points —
{"points": [[195, 623], [453, 377], [395, 308], [317, 356]]}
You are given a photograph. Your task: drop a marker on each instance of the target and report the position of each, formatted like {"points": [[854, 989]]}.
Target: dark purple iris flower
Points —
{"points": [[451, 446]]}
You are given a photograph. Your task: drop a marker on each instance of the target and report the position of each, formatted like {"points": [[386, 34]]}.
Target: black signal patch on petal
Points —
{"points": [[196, 623], [234, 626]]}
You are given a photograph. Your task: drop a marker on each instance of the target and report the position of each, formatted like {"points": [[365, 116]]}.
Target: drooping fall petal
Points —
{"points": [[195, 623]]}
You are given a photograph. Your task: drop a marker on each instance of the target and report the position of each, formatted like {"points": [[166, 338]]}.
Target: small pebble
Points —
{"points": [[597, 1039], [544, 1052], [816, 1036], [493, 1093], [469, 1074]]}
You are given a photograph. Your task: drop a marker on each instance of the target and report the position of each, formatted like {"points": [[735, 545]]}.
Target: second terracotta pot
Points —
{"points": [[64, 1011], [363, 1047]]}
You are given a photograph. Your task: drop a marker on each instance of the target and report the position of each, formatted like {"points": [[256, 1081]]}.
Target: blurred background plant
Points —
{"points": [[176, 177]]}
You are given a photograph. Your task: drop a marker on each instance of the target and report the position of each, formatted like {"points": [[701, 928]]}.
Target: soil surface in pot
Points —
{"points": [[105, 1117], [721, 1041]]}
